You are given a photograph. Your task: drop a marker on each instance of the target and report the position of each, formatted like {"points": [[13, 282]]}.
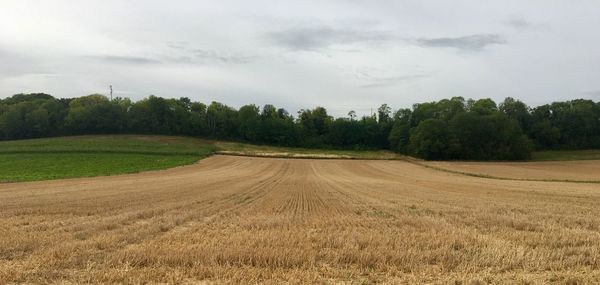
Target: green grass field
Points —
{"points": [[45, 166], [139, 144], [86, 156]]}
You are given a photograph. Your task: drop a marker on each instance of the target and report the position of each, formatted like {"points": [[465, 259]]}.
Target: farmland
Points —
{"points": [[299, 142], [87, 156], [271, 220], [573, 171]]}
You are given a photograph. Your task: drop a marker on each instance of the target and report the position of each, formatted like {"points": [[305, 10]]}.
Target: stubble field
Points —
{"points": [[246, 220], [573, 171]]}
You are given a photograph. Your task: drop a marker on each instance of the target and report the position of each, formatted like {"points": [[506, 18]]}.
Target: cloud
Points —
{"points": [[178, 44], [125, 59], [518, 23], [388, 81], [475, 42], [315, 38], [213, 55], [16, 64], [182, 55], [594, 94], [184, 52]]}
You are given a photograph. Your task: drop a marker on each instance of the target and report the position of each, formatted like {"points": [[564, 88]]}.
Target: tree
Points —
{"points": [[314, 125], [222, 120], [446, 110], [321, 120], [422, 112], [489, 137], [152, 115], [284, 114], [94, 114], [18, 98], [347, 133], [198, 120], [544, 135], [38, 122], [399, 136], [269, 111], [12, 124], [249, 122], [431, 140], [352, 115], [447, 129], [518, 111], [383, 113], [483, 106], [31, 115]]}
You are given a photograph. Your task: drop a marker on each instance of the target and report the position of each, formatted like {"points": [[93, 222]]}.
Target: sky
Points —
{"points": [[341, 54]]}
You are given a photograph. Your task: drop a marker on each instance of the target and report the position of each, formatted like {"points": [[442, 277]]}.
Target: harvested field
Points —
{"points": [[584, 170], [267, 220]]}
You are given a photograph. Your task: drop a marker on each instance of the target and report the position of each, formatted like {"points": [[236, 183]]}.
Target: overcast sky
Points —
{"points": [[344, 55]]}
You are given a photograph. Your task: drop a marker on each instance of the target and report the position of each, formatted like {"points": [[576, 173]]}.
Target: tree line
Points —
{"points": [[447, 129]]}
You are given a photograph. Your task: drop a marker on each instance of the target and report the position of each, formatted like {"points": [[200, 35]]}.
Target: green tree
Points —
{"points": [[222, 120], [399, 136], [489, 137], [383, 113], [249, 122], [94, 114], [431, 140], [483, 106], [519, 111]]}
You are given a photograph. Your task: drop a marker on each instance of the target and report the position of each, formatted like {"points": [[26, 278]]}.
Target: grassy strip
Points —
{"points": [[242, 149], [236, 148], [478, 175], [282, 155], [565, 155]]}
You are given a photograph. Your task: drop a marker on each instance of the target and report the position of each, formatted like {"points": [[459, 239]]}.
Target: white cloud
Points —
{"points": [[300, 54]]}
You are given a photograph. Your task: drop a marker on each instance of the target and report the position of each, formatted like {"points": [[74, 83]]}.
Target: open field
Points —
{"points": [[37, 166], [580, 171], [139, 144], [267, 220], [86, 156]]}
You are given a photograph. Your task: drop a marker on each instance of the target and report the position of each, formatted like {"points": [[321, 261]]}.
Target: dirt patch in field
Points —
{"points": [[585, 170], [284, 154], [231, 219]]}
